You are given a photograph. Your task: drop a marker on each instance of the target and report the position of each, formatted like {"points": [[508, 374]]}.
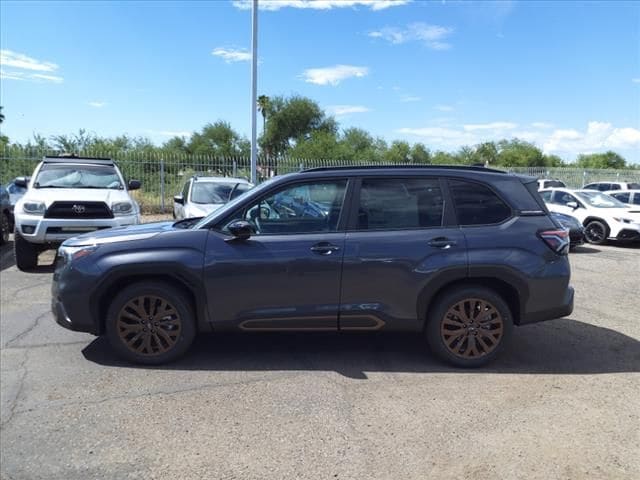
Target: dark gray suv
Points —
{"points": [[458, 254]]}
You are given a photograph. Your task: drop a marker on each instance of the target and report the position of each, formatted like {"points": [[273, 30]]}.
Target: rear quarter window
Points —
{"points": [[477, 204]]}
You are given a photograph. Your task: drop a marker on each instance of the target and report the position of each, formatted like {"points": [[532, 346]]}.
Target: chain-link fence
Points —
{"points": [[163, 176]]}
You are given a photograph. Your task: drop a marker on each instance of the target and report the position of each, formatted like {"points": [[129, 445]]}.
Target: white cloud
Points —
{"points": [[444, 108], [339, 110], [230, 55], [410, 98], [274, 5], [9, 58], [432, 36], [29, 77], [542, 125], [491, 126], [97, 104], [169, 133], [333, 75], [25, 66], [598, 136]]}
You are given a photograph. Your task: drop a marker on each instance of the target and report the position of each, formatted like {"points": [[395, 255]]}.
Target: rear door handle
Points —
{"points": [[324, 248], [442, 242]]}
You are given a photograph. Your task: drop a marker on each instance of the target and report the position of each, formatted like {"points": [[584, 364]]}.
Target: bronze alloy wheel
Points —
{"points": [[472, 328], [149, 325]]}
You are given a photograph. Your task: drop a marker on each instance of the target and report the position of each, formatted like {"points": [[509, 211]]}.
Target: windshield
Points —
{"points": [[77, 176], [600, 200], [222, 211], [211, 192]]}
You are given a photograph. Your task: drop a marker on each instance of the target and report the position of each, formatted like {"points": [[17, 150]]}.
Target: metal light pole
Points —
{"points": [[254, 87]]}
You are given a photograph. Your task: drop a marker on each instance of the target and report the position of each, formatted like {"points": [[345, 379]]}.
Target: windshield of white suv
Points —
{"points": [[77, 176], [600, 200], [211, 192]]}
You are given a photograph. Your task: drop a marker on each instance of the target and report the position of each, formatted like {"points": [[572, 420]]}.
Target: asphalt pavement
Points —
{"points": [[562, 401]]}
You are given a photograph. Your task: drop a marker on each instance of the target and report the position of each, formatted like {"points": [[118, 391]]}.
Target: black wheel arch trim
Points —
{"points": [[171, 272], [504, 280]]}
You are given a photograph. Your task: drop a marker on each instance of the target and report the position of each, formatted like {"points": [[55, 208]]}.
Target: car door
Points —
{"points": [[286, 276], [398, 246], [559, 201]]}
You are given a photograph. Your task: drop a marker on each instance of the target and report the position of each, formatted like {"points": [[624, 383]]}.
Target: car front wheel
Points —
{"points": [[150, 323], [5, 226], [469, 326], [596, 232]]}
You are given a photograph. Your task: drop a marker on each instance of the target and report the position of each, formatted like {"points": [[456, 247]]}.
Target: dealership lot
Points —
{"points": [[560, 403]]}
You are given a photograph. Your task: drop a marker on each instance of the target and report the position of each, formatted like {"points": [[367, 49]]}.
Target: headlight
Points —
{"points": [[122, 208], [69, 254], [34, 208]]}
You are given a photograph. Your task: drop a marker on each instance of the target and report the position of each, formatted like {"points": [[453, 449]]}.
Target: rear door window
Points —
{"points": [[476, 204], [399, 203], [546, 196], [623, 197]]}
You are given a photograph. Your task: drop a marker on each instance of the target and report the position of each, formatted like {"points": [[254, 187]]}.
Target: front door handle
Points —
{"points": [[442, 242], [324, 248]]}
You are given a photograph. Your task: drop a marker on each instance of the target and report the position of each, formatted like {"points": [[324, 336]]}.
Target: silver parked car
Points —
{"points": [[202, 195]]}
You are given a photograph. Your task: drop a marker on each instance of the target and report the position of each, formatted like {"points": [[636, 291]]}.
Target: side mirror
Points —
{"points": [[573, 205], [134, 184], [240, 229], [21, 181], [178, 199]]}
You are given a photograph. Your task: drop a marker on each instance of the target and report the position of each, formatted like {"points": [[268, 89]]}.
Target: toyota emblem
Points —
{"points": [[78, 209]]}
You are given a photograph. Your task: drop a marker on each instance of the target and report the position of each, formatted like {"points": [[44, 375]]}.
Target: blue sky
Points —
{"points": [[563, 75]]}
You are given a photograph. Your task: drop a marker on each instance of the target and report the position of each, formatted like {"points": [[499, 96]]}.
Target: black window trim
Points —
{"points": [[352, 223], [512, 213], [219, 226]]}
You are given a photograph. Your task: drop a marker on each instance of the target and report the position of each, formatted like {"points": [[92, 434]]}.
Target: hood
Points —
{"points": [[201, 209], [120, 234], [50, 195]]}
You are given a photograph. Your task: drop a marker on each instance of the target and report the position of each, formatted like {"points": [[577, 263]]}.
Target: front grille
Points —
{"points": [[78, 210]]}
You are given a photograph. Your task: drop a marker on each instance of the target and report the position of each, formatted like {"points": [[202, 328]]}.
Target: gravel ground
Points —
{"points": [[560, 403]]}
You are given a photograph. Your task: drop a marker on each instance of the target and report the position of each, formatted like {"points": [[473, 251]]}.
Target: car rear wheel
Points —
{"points": [[150, 323], [26, 253], [468, 327], [596, 232]]}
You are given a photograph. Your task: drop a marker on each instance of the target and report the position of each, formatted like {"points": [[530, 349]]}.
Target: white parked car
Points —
{"points": [[630, 197], [603, 216], [202, 195], [550, 183], [65, 197], [609, 186]]}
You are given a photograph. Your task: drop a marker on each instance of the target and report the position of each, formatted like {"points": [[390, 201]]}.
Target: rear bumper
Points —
{"points": [[564, 309]]}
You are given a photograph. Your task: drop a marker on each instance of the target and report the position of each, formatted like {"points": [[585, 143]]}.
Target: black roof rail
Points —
{"points": [[76, 159], [404, 166]]}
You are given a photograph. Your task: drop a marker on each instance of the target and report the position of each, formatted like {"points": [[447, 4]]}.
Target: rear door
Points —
{"points": [[399, 244]]}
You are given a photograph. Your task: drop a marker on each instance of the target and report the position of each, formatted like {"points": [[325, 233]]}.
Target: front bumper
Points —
{"points": [[70, 299], [57, 230]]}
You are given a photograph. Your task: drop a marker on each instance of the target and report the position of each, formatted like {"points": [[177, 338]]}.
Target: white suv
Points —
{"points": [[603, 216], [202, 195], [607, 186], [68, 196]]}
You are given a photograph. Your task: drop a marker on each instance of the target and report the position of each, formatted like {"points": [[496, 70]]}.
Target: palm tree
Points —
{"points": [[263, 107]]}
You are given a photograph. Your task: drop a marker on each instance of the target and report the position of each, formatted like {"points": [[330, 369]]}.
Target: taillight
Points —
{"points": [[557, 240]]}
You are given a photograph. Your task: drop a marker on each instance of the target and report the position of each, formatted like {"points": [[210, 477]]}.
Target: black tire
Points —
{"points": [[596, 232], [169, 335], [26, 253], [5, 228], [464, 347]]}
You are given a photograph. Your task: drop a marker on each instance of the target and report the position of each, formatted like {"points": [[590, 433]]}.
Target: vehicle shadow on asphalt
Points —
{"points": [[562, 346], [7, 259], [582, 249]]}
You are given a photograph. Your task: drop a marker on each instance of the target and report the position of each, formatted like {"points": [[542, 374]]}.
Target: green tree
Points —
{"points": [[518, 153], [420, 154], [601, 160], [292, 120], [220, 140], [398, 152]]}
